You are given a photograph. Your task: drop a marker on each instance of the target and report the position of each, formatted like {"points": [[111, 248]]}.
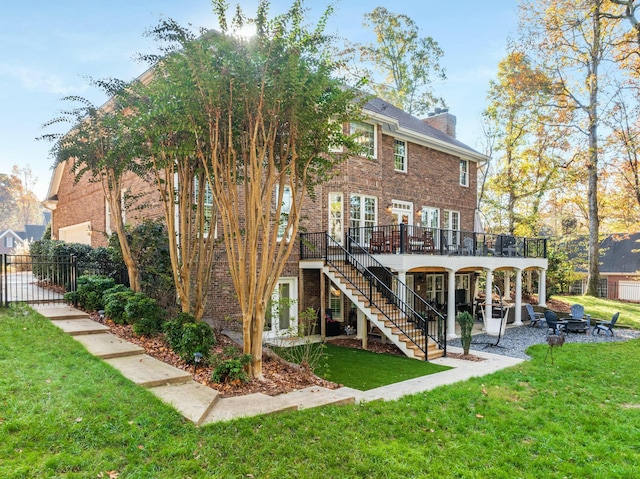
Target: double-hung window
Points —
{"points": [[366, 136], [400, 155], [207, 205], [284, 213], [464, 172]]}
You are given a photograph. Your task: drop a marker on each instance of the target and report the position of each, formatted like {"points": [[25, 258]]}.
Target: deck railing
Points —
{"points": [[410, 239]]}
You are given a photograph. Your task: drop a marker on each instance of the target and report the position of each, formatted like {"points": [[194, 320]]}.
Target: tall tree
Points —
{"points": [[408, 63], [168, 121], [99, 146], [524, 143], [274, 114], [18, 204], [573, 38]]}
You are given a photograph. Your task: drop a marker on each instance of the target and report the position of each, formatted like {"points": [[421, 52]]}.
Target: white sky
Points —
{"points": [[49, 48]]}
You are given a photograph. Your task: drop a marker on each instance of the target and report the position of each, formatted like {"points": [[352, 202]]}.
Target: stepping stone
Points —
{"points": [[147, 371], [255, 404], [191, 399], [75, 327], [63, 311], [107, 345], [316, 396]]}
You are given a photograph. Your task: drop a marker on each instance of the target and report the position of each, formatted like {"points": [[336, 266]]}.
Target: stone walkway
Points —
{"points": [[202, 405]]}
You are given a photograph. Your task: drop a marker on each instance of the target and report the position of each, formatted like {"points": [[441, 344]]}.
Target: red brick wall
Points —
{"points": [[84, 200]]}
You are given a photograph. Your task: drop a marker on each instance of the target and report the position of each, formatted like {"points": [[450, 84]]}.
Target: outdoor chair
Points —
{"points": [[416, 244], [428, 241], [534, 318], [378, 242], [467, 246], [553, 323], [606, 326], [577, 312]]}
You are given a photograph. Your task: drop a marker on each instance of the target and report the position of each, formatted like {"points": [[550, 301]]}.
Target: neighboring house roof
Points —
{"points": [[33, 232], [620, 253]]}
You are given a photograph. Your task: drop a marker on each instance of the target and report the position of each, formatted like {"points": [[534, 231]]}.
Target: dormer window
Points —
{"points": [[366, 133]]}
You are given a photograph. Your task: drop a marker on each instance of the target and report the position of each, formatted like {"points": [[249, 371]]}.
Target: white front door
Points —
{"points": [[281, 320]]}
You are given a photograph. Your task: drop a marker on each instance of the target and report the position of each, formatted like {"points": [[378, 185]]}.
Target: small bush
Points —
{"points": [[230, 366], [308, 355], [144, 314], [465, 320], [115, 305], [173, 329], [89, 293], [196, 338]]}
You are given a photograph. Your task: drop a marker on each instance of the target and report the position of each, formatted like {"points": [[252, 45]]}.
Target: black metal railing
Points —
{"points": [[406, 310], [36, 279], [410, 239]]}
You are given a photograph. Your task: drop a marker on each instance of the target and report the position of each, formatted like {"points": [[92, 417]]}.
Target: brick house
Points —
{"points": [[619, 268], [396, 228]]}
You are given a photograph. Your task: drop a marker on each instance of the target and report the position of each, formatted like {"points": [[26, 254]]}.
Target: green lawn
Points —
{"points": [[66, 414], [605, 308], [366, 370]]}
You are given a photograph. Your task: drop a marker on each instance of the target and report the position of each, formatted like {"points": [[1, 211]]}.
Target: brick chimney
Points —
{"points": [[442, 120]]}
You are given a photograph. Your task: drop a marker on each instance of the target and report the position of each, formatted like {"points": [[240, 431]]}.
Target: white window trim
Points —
{"points": [[285, 210], [375, 135], [464, 173], [292, 331], [340, 234], [399, 208], [362, 223], [404, 160]]}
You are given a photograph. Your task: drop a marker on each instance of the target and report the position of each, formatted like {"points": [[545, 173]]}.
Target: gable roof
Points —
{"points": [[400, 123], [10, 232], [33, 232], [620, 253]]}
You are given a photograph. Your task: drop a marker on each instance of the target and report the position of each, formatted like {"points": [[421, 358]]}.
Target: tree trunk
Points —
{"points": [[592, 165]]}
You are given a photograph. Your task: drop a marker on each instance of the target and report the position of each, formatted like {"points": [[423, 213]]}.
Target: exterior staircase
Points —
{"points": [[385, 313]]}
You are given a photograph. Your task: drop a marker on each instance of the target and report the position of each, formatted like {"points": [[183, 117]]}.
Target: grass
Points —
{"points": [[66, 414], [366, 370], [603, 309]]}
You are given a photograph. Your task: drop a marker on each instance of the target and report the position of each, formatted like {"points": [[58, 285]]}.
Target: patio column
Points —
{"points": [[518, 304], [488, 300], [542, 287], [451, 305], [507, 285]]}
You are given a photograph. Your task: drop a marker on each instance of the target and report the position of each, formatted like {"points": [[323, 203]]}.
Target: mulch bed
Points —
{"points": [[278, 376]]}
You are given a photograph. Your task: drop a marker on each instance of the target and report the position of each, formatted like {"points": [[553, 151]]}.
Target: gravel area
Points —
{"points": [[517, 339]]}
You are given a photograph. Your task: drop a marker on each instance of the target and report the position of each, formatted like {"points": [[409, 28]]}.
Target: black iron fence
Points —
{"points": [[36, 279]]}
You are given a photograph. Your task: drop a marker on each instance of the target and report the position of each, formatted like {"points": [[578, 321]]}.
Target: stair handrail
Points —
{"points": [[375, 282]]}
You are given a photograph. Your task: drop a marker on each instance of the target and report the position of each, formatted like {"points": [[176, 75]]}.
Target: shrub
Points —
{"points": [[173, 329], [144, 314], [149, 246], [230, 366], [115, 304], [308, 354], [88, 296], [465, 320], [196, 338]]}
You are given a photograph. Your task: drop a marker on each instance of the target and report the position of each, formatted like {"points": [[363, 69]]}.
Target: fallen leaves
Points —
{"points": [[278, 376]]}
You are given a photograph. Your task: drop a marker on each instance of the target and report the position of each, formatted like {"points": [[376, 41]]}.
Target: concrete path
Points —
{"points": [[202, 405]]}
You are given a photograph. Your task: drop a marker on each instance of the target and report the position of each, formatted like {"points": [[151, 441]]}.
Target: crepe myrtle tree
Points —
{"points": [[266, 115], [100, 148]]}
